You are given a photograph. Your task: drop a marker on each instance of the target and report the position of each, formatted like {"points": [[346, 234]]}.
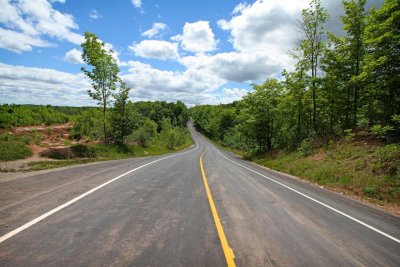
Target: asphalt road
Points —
{"points": [[155, 211]]}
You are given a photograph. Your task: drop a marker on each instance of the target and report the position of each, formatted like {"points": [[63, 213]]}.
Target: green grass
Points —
{"points": [[82, 154], [366, 171], [44, 165]]}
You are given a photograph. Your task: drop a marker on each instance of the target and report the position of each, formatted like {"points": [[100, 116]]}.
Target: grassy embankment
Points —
{"points": [[369, 171]]}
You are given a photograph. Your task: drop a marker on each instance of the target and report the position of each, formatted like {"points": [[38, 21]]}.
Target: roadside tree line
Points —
{"points": [[339, 84]]}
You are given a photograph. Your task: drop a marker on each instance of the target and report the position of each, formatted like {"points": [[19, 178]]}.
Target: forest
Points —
{"points": [[335, 117], [340, 85]]}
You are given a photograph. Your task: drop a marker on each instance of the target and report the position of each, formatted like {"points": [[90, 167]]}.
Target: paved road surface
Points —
{"points": [[159, 215]]}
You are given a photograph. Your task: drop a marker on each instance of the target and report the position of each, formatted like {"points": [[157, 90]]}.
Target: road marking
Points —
{"points": [[47, 214], [228, 252], [317, 201]]}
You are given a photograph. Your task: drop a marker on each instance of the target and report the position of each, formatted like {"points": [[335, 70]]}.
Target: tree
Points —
{"points": [[103, 73], [260, 118], [312, 25], [121, 118], [146, 132], [381, 66], [354, 25]]}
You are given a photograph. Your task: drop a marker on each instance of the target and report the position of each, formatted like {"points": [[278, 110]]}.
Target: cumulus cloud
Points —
{"points": [[25, 85], [155, 49], [19, 42], [268, 27], [235, 66], [192, 86], [74, 56], [156, 30], [94, 14], [30, 21], [197, 37]]}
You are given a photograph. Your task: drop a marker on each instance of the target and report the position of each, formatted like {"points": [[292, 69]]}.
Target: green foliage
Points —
{"points": [[103, 73], [44, 165], [172, 137], [12, 150], [122, 116], [145, 133], [372, 172], [382, 62], [312, 45], [7, 137], [381, 131], [88, 124], [306, 148], [336, 86], [27, 115], [348, 135]]}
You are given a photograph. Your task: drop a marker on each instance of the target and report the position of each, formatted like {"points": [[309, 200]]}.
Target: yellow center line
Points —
{"points": [[228, 252]]}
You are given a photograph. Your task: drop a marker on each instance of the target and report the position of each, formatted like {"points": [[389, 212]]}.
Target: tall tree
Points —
{"points": [[121, 118], [354, 25], [312, 25], [381, 66], [103, 73], [260, 113]]}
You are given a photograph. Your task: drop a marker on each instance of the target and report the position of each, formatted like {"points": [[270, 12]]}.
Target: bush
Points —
{"points": [[12, 150], [145, 133], [82, 151], [380, 131], [305, 148], [10, 137]]}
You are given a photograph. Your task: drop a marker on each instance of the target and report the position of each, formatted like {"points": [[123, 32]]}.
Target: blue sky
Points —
{"points": [[201, 52]]}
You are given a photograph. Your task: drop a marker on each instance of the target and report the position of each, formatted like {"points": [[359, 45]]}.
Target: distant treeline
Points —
{"points": [[13, 115], [27, 115], [339, 85], [143, 122]]}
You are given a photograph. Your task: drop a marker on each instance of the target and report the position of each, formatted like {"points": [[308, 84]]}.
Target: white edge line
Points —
{"points": [[317, 201], [47, 214]]}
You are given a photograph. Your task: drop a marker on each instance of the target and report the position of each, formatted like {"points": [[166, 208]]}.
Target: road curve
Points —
{"points": [[159, 215]]}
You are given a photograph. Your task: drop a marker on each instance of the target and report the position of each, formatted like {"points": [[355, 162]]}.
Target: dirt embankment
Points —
{"points": [[43, 140]]}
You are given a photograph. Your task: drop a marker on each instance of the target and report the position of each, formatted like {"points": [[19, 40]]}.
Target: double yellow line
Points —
{"points": [[228, 252]]}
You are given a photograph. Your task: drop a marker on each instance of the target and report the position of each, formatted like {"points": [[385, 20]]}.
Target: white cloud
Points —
{"points": [[137, 3], [32, 20], [262, 34], [74, 56], [155, 49], [155, 30], [19, 42], [236, 66], [94, 14], [197, 37], [191, 86], [25, 85], [239, 8], [230, 95], [269, 26]]}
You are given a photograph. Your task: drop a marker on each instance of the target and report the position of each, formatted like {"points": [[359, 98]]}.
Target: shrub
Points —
{"points": [[381, 131], [305, 148], [12, 150]]}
